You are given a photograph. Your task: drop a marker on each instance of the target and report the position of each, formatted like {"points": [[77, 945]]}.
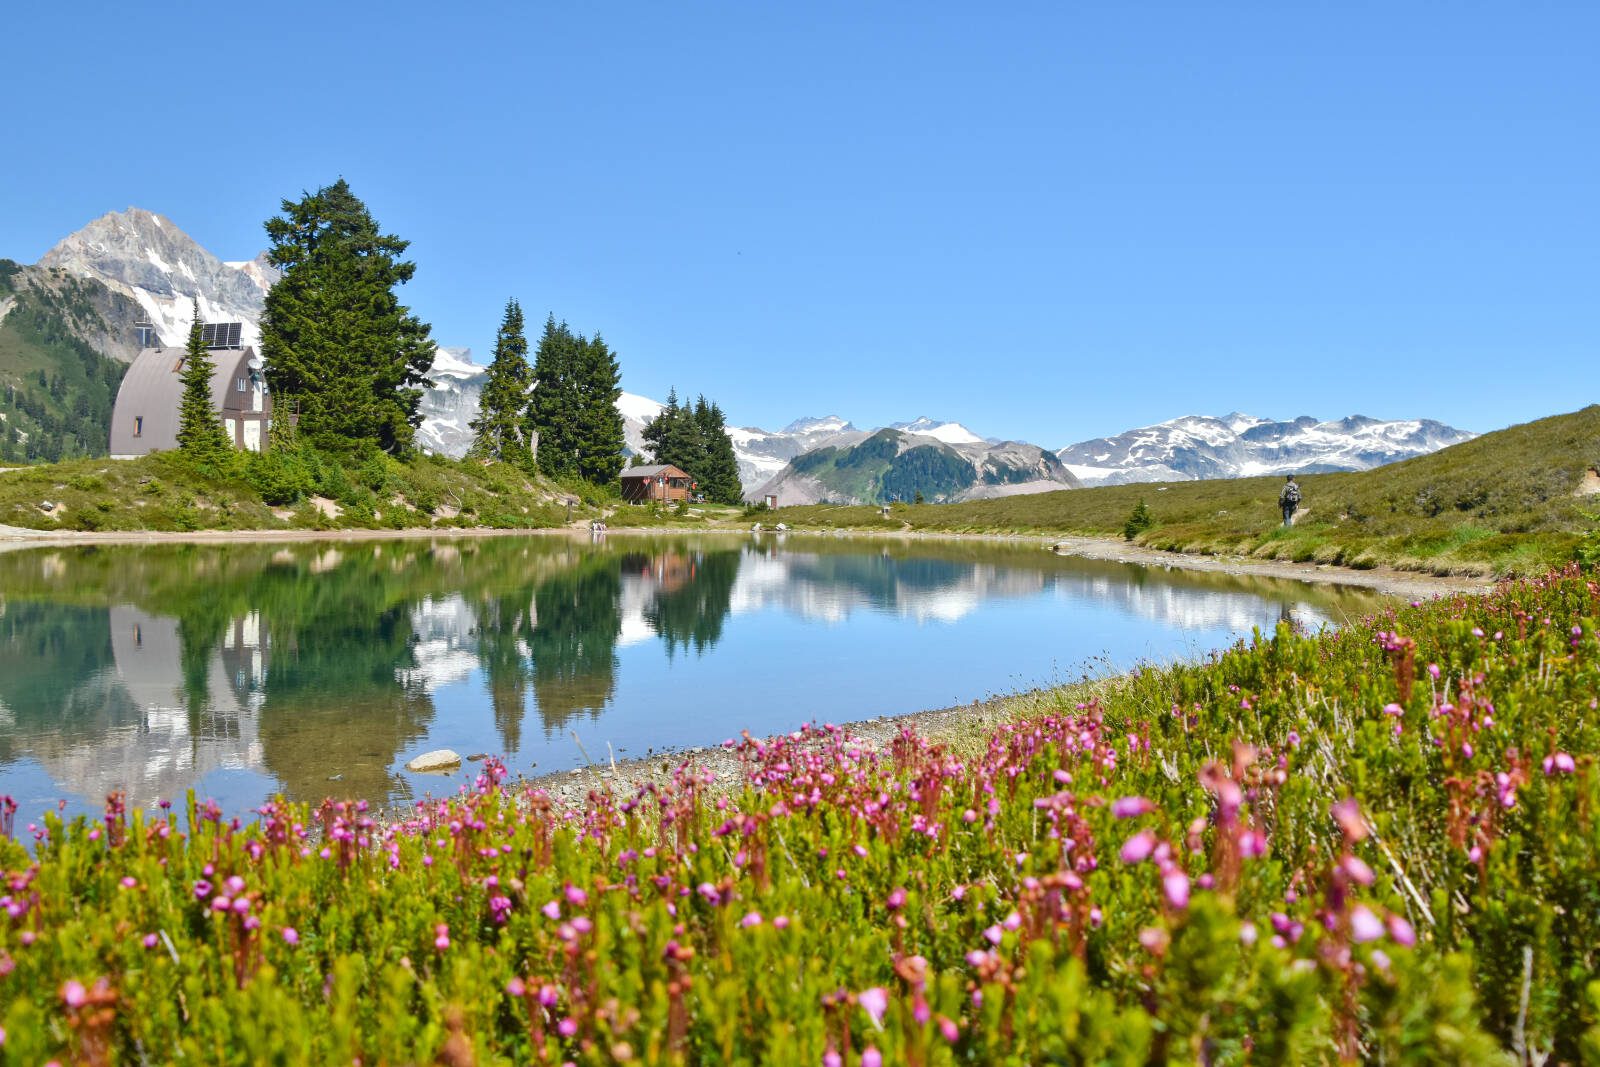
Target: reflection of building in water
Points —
{"points": [[161, 734]]}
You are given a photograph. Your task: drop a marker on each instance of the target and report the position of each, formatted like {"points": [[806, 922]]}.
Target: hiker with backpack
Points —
{"points": [[1289, 500]]}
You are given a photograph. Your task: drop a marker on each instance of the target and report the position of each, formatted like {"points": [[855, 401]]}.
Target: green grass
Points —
{"points": [[1500, 504]]}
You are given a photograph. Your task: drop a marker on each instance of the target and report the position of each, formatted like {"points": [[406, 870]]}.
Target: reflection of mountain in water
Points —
{"points": [[829, 586]]}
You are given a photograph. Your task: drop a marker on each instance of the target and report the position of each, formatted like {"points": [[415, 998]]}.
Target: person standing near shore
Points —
{"points": [[1289, 499]]}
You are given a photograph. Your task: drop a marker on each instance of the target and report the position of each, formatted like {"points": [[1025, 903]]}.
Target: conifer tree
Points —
{"points": [[200, 432], [553, 410], [338, 344], [600, 440], [719, 479], [500, 430]]}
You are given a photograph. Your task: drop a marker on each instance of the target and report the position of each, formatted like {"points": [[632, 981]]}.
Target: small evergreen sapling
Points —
{"points": [[200, 432], [1139, 521]]}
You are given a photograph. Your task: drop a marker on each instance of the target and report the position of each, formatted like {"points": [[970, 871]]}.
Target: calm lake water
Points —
{"points": [[321, 668]]}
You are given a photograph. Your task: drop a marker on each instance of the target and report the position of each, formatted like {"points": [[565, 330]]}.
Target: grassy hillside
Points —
{"points": [[1502, 503], [56, 390]]}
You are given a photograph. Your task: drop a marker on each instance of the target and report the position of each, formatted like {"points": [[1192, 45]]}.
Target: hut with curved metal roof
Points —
{"points": [[145, 418]]}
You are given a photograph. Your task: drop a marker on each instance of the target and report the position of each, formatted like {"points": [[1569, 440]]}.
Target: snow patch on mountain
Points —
{"points": [[450, 405]]}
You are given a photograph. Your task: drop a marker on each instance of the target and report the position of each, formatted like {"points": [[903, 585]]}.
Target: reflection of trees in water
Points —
{"points": [[335, 704], [573, 642], [691, 606], [504, 637], [55, 675]]}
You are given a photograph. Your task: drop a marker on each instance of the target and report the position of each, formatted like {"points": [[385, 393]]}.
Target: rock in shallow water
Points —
{"points": [[440, 759]]}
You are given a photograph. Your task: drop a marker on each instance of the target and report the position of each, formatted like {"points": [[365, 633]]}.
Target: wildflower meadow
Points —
{"points": [[1372, 845]]}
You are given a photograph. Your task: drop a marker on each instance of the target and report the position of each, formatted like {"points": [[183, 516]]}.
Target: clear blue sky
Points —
{"points": [[1049, 221]]}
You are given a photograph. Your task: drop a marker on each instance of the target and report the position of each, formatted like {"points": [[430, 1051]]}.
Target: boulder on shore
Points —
{"points": [[440, 759]]}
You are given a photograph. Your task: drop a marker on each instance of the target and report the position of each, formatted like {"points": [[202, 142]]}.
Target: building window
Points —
{"points": [[138, 426], [239, 385]]}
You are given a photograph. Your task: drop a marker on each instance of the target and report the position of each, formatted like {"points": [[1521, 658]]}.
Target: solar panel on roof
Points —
{"points": [[221, 334]]}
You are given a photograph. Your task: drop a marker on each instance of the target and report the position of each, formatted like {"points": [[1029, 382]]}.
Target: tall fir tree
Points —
{"points": [[339, 346], [500, 431], [200, 432], [553, 409], [719, 479], [600, 433]]}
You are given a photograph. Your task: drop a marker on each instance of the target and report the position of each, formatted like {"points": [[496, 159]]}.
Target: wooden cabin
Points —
{"points": [[659, 482]]}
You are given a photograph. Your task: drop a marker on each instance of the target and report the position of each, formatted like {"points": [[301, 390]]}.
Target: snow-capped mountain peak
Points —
{"points": [[951, 433], [454, 363], [639, 408], [1238, 445], [141, 255], [810, 426]]}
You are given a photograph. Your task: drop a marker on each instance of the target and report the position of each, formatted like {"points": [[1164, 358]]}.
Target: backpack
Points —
{"points": [[1291, 493]]}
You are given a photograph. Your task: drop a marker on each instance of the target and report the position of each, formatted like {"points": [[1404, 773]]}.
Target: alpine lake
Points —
{"points": [[320, 668]]}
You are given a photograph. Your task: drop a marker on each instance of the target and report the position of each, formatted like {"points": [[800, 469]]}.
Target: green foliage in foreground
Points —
{"points": [[1501, 504], [1376, 845], [290, 486]]}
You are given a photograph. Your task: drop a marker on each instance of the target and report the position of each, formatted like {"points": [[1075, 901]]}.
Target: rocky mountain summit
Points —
{"points": [[1240, 446], [856, 467], [146, 257]]}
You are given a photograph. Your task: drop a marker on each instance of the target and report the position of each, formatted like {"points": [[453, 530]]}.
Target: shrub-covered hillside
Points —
{"points": [[290, 488], [56, 390], [1379, 845]]}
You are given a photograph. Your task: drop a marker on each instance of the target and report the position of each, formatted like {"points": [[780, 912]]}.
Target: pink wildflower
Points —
{"points": [[73, 994], [1560, 763], [871, 1057], [1364, 926], [1347, 813], [874, 1002], [290, 935], [1175, 884], [1137, 848], [1129, 807]]}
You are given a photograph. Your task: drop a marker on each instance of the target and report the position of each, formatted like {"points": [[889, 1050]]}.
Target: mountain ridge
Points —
{"points": [[1236, 445]]}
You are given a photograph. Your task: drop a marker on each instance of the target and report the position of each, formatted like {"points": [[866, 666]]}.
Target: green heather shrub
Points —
{"points": [[1377, 845], [281, 475]]}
